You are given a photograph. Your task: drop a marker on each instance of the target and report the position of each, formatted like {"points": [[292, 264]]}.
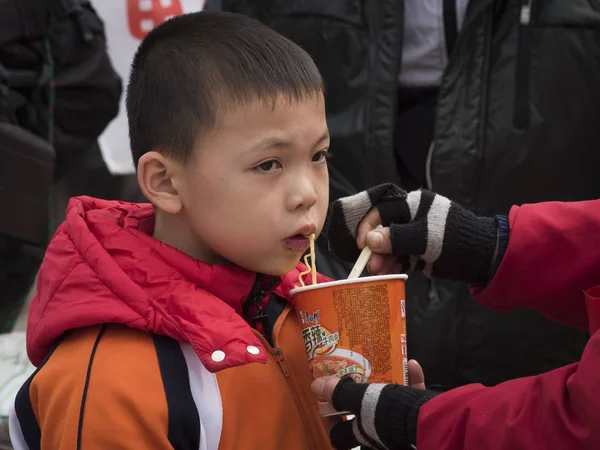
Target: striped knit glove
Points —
{"points": [[428, 232], [386, 415]]}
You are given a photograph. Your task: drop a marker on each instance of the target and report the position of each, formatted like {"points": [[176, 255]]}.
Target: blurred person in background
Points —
{"points": [[491, 103], [58, 92]]}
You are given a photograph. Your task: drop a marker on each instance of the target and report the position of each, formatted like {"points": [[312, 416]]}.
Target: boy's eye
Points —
{"points": [[320, 156], [269, 166]]}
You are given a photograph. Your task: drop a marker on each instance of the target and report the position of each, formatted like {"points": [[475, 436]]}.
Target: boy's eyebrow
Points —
{"points": [[324, 137], [276, 142]]}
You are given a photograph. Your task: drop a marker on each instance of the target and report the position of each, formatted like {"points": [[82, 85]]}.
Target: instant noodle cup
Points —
{"points": [[355, 328]]}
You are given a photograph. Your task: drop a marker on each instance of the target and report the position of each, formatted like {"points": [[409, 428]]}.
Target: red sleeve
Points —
{"points": [[559, 409], [553, 256]]}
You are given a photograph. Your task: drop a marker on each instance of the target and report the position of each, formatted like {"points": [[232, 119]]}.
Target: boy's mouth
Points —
{"points": [[297, 243]]}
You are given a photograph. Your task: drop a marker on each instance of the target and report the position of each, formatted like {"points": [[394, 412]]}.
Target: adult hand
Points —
{"points": [[394, 429], [382, 261], [422, 231]]}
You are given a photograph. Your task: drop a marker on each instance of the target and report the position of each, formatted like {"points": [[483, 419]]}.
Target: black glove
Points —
{"points": [[386, 415], [428, 232]]}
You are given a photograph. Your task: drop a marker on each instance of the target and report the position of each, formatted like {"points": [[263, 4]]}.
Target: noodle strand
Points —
{"points": [[312, 259], [311, 266], [306, 272]]}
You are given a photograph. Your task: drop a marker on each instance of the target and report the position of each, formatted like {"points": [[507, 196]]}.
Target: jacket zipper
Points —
{"points": [[523, 65], [428, 179], [257, 292], [279, 356]]}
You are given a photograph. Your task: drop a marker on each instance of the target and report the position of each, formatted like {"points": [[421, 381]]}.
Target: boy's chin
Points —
{"points": [[275, 269]]}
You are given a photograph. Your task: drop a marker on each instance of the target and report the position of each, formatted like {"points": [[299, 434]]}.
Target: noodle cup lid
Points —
{"points": [[345, 282]]}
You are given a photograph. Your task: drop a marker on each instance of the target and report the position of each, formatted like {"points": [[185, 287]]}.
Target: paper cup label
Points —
{"points": [[356, 330]]}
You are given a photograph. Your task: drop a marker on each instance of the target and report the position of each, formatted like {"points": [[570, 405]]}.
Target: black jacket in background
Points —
{"points": [[56, 83]]}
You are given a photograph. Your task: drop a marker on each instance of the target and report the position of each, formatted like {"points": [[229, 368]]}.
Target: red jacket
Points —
{"points": [[552, 265]]}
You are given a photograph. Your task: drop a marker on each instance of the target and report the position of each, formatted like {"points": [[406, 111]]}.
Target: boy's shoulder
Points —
{"points": [[101, 354], [107, 377]]}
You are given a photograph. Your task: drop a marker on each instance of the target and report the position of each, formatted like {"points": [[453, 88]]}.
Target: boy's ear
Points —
{"points": [[156, 177]]}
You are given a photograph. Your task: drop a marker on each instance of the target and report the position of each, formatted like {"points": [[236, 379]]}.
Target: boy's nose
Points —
{"points": [[304, 194]]}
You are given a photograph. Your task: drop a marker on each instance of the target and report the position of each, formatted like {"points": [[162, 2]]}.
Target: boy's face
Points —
{"points": [[258, 185]]}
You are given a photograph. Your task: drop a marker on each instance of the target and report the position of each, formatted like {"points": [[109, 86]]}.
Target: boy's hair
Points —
{"points": [[191, 68]]}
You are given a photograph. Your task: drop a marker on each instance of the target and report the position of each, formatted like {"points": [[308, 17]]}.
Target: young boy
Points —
{"points": [[169, 326]]}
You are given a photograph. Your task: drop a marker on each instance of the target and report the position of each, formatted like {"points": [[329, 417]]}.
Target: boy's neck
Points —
{"points": [[173, 231]]}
